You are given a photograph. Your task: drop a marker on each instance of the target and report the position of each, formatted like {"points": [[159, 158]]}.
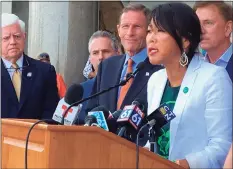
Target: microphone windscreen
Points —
{"points": [[74, 93], [91, 119], [141, 66], [116, 114], [140, 103], [112, 124]]}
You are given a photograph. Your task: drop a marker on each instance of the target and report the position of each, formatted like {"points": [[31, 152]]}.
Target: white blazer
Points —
{"points": [[201, 133]]}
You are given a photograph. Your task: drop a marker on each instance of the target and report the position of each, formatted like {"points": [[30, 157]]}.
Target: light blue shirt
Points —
{"points": [[139, 57], [8, 65], [224, 59]]}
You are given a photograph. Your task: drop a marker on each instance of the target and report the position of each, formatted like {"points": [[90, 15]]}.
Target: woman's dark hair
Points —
{"points": [[180, 21]]}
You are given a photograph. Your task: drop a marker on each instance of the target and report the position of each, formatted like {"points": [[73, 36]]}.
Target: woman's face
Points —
{"points": [[161, 46]]}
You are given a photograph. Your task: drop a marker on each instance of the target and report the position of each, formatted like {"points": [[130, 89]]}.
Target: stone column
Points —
{"points": [[62, 29], [20, 8], [6, 6]]}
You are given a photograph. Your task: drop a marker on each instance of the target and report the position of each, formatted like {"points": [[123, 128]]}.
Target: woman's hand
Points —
{"points": [[183, 163], [228, 162]]}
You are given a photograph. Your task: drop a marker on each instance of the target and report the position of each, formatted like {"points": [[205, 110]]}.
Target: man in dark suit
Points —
{"points": [[28, 86], [216, 19], [102, 45], [132, 31], [87, 89]]}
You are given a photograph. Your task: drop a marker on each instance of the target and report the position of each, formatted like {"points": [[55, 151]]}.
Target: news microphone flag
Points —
{"points": [[166, 112], [162, 115], [132, 114], [101, 121], [70, 117]]}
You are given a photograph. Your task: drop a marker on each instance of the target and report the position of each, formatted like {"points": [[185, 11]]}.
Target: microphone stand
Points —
{"points": [[122, 83], [152, 139], [149, 124], [122, 131]]}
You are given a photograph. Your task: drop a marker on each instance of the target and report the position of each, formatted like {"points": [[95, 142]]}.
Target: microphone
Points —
{"points": [[122, 83], [156, 120], [115, 115], [138, 102], [162, 115], [112, 121], [89, 120], [101, 114], [109, 117], [139, 67], [64, 115], [130, 118]]}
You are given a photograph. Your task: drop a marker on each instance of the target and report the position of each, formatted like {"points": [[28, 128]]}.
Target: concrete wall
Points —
{"points": [[152, 4], [6, 6], [21, 9], [62, 29]]}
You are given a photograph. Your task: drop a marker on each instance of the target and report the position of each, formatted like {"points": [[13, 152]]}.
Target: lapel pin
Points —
{"points": [[29, 74], [185, 90], [147, 74]]}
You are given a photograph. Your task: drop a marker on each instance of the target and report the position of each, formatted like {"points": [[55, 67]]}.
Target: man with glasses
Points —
{"points": [[28, 86]]}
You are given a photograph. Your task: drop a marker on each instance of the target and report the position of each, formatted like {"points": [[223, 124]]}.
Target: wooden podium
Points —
{"points": [[57, 146]]}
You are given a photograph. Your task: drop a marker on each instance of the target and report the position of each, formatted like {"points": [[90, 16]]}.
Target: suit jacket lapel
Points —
{"points": [[139, 82], [114, 78], [183, 95], [7, 86], [229, 67], [28, 75], [157, 91]]}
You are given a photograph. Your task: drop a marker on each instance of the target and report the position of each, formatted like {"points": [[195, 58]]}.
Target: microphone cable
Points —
{"points": [[27, 139]]}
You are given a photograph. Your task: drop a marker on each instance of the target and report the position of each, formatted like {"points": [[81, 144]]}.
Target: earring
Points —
{"points": [[184, 59]]}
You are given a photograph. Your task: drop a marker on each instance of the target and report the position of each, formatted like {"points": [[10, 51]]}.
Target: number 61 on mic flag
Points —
{"points": [[132, 114]]}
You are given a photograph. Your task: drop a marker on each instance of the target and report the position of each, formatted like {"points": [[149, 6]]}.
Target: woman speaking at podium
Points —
{"points": [[199, 93]]}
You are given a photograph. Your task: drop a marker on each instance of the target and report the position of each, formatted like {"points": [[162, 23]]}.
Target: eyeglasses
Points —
{"points": [[19, 68]]}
